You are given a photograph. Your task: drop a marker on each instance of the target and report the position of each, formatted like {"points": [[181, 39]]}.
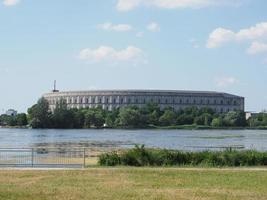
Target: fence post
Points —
{"points": [[83, 157], [32, 156]]}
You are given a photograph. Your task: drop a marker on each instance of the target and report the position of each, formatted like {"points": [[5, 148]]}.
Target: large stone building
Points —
{"points": [[112, 99]]}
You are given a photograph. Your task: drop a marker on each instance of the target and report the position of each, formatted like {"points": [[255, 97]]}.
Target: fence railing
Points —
{"points": [[43, 157]]}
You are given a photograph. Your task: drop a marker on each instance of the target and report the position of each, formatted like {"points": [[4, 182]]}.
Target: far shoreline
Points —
{"points": [[180, 127]]}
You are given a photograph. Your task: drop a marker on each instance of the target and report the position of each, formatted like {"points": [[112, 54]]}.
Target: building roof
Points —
{"points": [[142, 92]]}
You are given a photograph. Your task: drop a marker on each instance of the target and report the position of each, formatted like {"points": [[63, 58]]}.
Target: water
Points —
{"points": [[192, 140]]}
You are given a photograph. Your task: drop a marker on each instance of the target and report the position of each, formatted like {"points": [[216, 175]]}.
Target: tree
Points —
{"points": [[130, 117], [21, 119], [94, 117], [62, 116], [111, 117], [168, 118], [79, 118], [153, 118], [217, 122], [185, 119], [89, 118], [39, 114], [99, 119], [235, 118]]}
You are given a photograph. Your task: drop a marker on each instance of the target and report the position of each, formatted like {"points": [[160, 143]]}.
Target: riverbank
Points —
{"points": [[177, 127], [134, 183]]}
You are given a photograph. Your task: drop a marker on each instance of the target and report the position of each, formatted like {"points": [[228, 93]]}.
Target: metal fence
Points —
{"points": [[43, 157]]}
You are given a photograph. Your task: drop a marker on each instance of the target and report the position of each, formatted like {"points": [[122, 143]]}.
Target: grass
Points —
{"points": [[134, 183]]}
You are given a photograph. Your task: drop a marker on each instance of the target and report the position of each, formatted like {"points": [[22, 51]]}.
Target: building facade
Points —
{"points": [[11, 112], [114, 99]]}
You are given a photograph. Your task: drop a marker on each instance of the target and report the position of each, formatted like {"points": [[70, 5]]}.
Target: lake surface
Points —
{"points": [[192, 140]]}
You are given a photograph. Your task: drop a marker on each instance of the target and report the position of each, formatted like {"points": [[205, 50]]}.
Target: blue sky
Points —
{"points": [[132, 44]]}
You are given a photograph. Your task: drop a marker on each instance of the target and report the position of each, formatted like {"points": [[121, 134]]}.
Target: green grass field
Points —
{"points": [[134, 183]]}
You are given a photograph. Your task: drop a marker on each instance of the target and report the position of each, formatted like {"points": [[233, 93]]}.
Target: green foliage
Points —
{"points": [[109, 159], [21, 119], [168, 118], [140, 156], [217, 122], [233, 118], [258, 120], [131, 117], [94, 117], [39, 114]]}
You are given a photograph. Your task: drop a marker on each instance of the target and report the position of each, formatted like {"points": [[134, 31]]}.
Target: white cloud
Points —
{"points": [[221, 36], [109, 54], [256, 48], [254, 32], [127, 5], [226, 81], [153, 27], [11, 2], [113, 27]]}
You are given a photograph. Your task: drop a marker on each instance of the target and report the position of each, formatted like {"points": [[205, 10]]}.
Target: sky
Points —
{"points": [[207, 45]]}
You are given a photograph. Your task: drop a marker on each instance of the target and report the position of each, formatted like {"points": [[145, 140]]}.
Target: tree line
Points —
{"points": [[18, 120], [149, 116]]}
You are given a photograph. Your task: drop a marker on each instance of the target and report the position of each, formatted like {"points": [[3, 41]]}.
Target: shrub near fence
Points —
{"points": [[141, 156]]}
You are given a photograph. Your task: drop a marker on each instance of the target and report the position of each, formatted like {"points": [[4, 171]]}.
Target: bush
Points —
{"points": [[109, 159], [140, 156]]}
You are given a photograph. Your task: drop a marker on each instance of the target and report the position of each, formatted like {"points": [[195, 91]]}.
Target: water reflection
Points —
{"points": [[190, 140]]}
